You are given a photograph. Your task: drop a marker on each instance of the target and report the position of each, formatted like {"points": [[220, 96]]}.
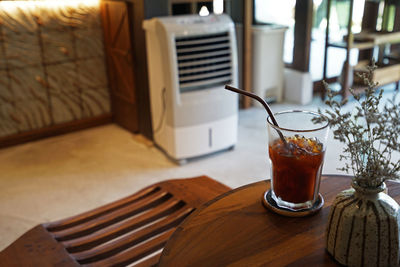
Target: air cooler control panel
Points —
{"points": [[198, 20]]}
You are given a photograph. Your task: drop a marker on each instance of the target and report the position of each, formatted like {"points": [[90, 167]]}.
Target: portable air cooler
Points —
{"points": [[190, 59]]}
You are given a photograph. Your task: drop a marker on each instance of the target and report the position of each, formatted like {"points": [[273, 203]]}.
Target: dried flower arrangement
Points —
{"points": [[370, 132]]}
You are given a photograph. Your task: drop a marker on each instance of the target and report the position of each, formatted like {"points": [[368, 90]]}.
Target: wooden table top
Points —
{"points": [[236, 229]]}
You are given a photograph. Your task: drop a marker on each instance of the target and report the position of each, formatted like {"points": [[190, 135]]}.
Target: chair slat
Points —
{"points": [[132, 254], [130, 240], [120, 228], [132, 230], [92, 214], [112, 217], [151, 261]]}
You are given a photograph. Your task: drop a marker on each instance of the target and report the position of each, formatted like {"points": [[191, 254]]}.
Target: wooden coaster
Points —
{"points": [[270, 204]]}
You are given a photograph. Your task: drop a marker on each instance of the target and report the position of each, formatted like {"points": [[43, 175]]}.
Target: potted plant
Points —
{"points": [[363, 225]]}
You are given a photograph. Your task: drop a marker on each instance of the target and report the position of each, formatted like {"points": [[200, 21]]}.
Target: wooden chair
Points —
{"points": [[131, 230]]}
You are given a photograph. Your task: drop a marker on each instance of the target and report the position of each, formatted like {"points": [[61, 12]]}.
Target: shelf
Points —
{"points": [[367, 40], [357, 45], [378, 38], [383, 74]]}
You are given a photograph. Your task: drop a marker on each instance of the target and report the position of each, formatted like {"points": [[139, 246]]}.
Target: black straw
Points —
{"points": [[259, 99]]}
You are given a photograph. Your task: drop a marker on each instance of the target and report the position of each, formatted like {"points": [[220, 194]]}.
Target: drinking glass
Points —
{"points": [[296, 152]]}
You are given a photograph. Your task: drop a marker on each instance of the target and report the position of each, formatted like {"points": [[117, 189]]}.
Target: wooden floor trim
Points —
{"points": [[54, 130]]}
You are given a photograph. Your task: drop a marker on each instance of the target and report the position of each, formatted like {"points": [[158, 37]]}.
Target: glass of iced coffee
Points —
{"points": [[296, 152]]}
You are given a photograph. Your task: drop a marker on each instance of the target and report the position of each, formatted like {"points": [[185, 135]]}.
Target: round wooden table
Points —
{"points": [[235, 229]]}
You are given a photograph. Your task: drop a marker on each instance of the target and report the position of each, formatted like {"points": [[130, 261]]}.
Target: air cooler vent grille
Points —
{"points": [[204, 61]]}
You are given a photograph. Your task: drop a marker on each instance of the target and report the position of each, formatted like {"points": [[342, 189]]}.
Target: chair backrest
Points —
{"points": [[132, 230]]}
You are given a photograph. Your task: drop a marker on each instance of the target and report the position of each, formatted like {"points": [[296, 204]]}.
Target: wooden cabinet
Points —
{"points": [[52, 70], [118, 47], [126, 60], [53, 75]]}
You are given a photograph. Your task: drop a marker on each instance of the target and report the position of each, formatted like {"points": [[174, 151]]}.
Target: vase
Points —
{"points": [[363, 228]]}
